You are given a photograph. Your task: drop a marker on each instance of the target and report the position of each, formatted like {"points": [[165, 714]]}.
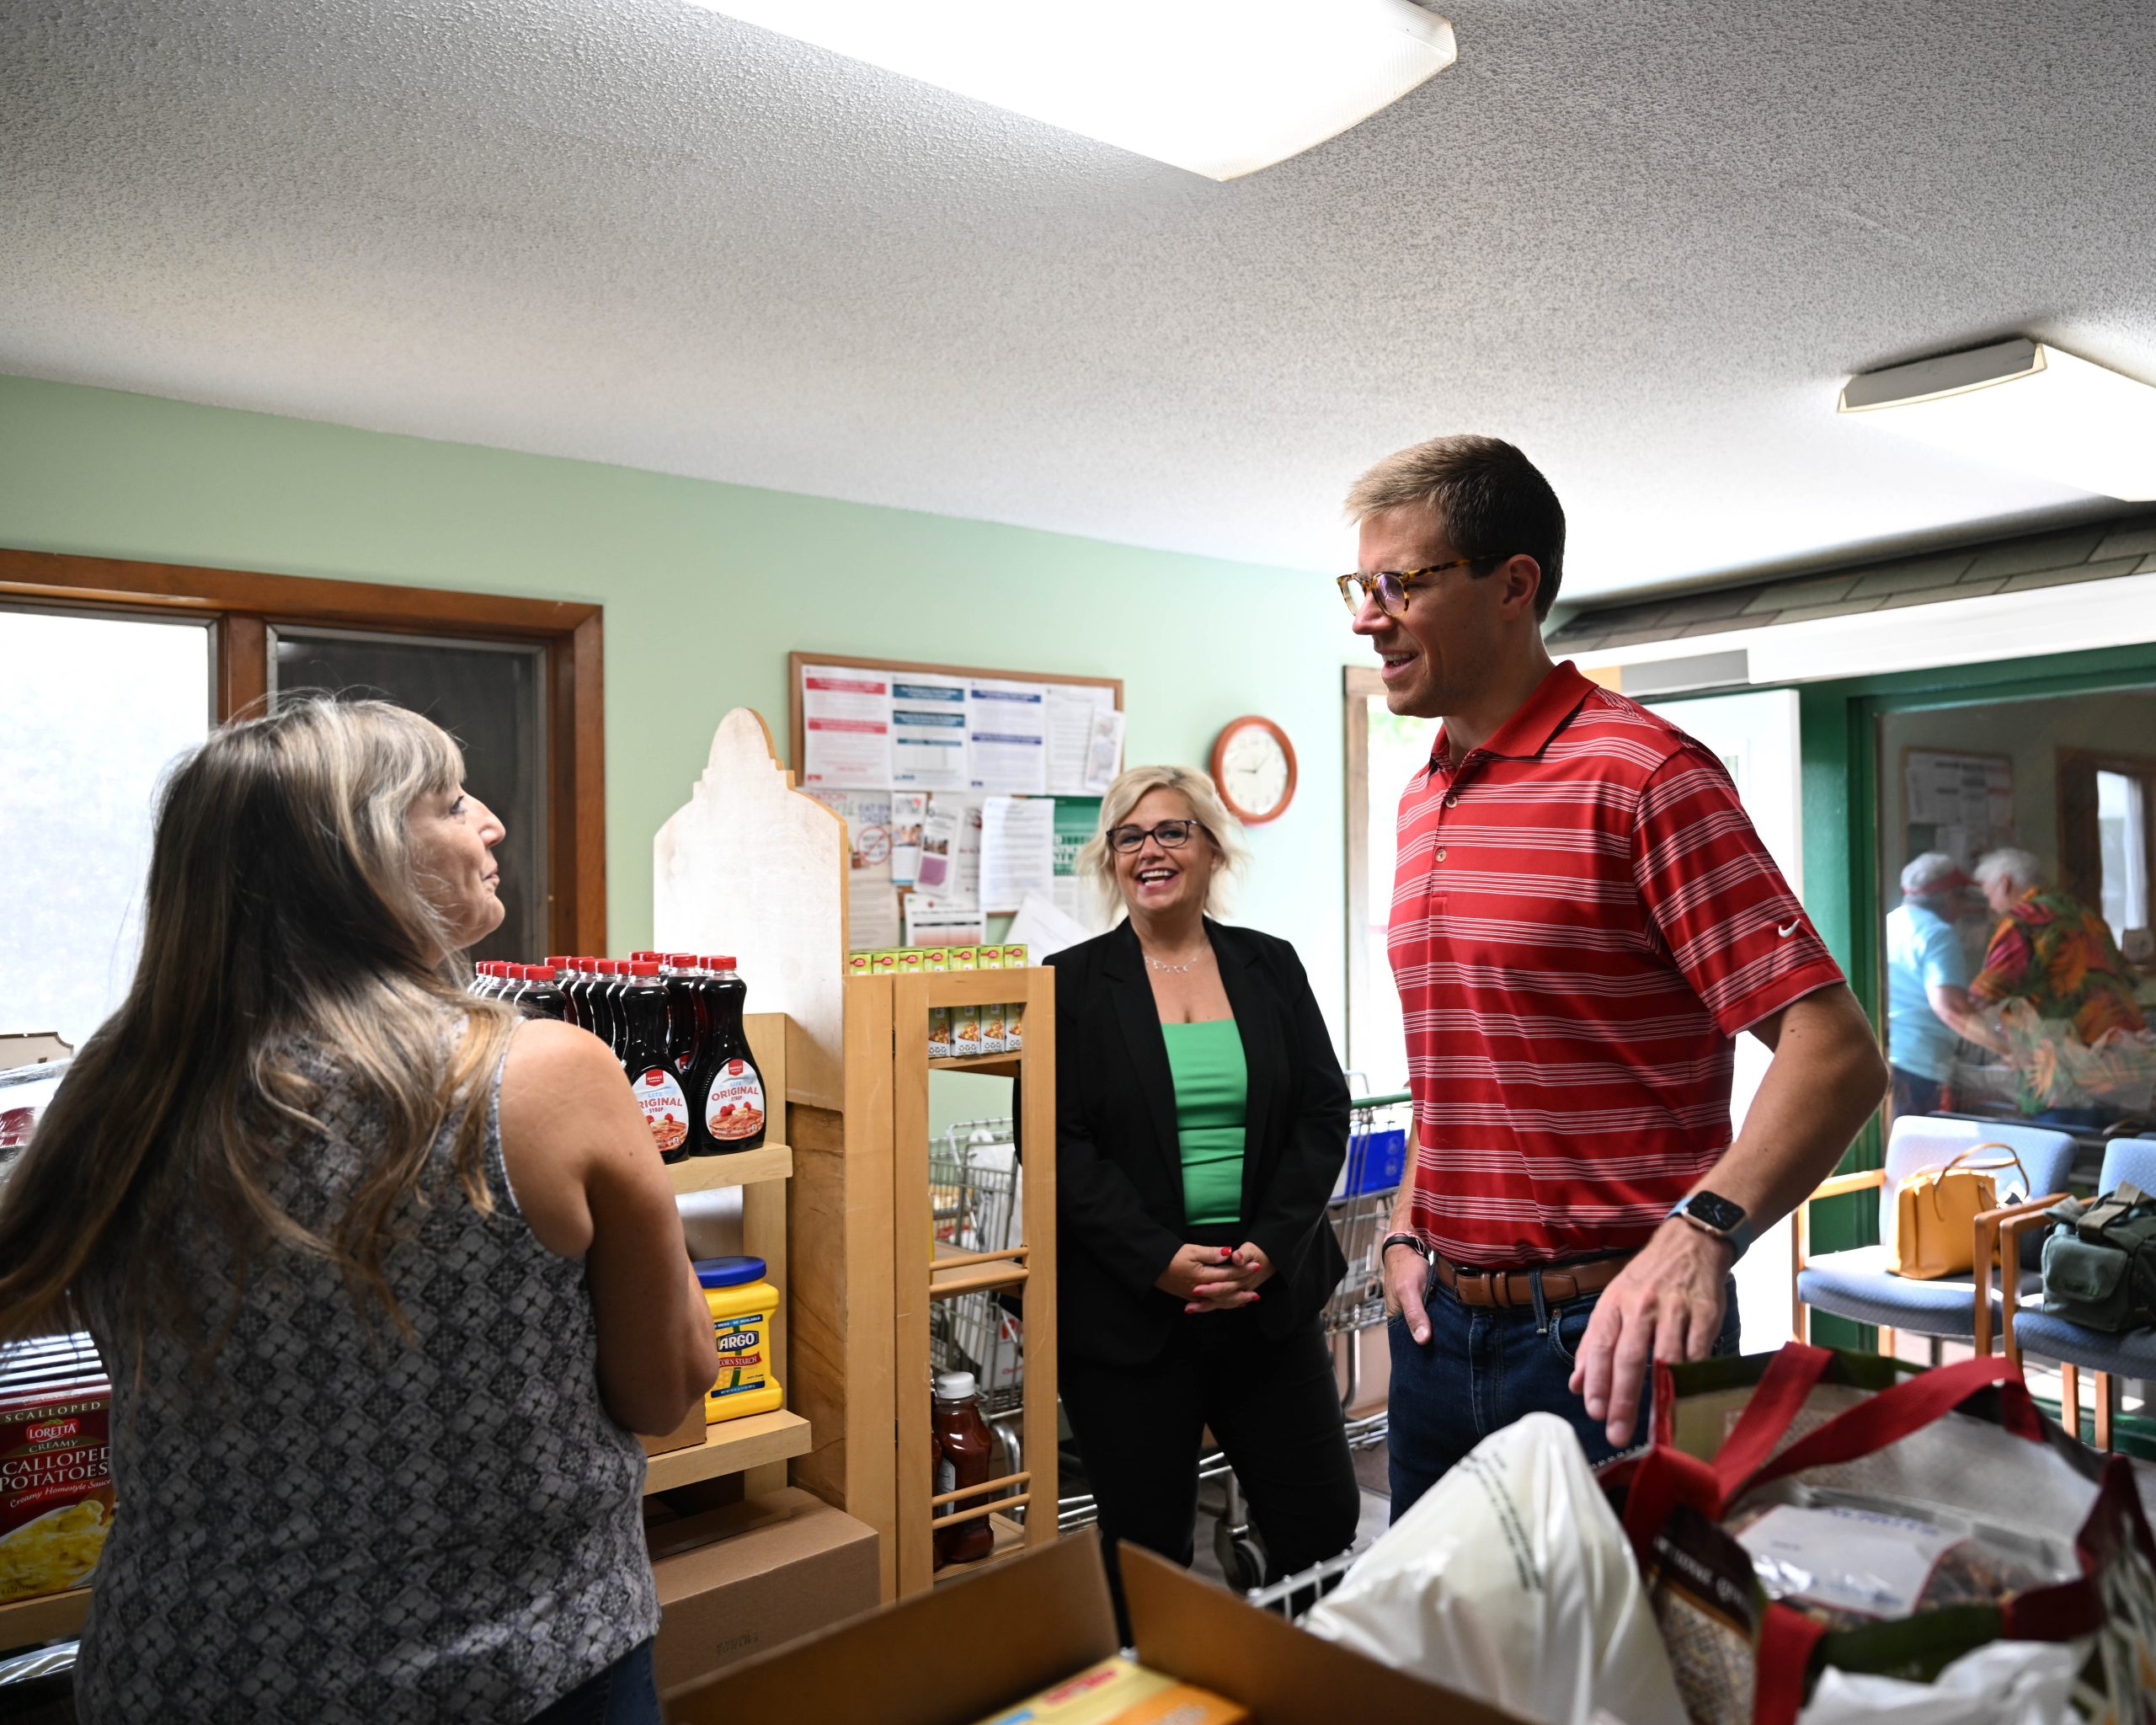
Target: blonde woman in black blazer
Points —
{"points": [[1202, 1120]]}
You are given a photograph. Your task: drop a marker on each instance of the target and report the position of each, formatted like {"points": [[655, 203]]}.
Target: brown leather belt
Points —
{"points": [[1505, 1289]]}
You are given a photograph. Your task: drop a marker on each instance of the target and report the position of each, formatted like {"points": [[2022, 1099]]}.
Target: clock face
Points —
{"points": [[1255, 769]]}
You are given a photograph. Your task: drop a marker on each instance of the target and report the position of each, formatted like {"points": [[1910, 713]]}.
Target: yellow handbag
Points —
{"points": [[1935, 1211]]}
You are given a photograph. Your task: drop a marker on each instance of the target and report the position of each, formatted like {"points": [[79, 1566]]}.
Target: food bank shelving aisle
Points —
{"points": [[761, 1445], [926, 1269], [752, 867]]}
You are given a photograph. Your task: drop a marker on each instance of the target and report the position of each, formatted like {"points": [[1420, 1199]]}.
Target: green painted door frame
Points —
{"points": [[1837, 739]]}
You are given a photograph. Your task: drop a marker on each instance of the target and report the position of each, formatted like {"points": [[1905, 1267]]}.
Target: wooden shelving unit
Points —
{"points": [[752, 867], [25, 1623], [754, 1446], [732, 1446], [747, 1167], [924, 1272]]}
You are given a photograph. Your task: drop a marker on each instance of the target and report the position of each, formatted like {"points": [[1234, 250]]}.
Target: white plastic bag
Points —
{"points": [[2002, 1683], [1512, 1581]]}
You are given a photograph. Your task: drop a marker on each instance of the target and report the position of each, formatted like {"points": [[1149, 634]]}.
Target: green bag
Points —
{"points": [[2100, 1261]]}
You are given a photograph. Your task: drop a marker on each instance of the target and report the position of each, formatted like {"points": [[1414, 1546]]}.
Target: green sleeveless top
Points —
{"points": [[1212, 1095]]}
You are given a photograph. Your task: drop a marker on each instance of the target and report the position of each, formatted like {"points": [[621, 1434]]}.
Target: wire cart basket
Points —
{"points": [[975, 1179]]}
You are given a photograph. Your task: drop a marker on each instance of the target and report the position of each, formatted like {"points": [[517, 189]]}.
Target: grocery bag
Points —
{"points": [[1811, 1510], [1510, 1580]]}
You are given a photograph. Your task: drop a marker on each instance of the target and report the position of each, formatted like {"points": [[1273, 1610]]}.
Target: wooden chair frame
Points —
{"points": [[2014, 1224], [1985, 1257]]}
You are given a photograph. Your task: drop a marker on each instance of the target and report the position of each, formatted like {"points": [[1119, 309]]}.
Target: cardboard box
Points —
{"points": [[990, 1640], [685, 1436], [752, 1576]]}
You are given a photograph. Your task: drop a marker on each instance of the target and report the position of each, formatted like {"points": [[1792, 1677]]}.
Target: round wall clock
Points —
{"points": [[1254, 765]]}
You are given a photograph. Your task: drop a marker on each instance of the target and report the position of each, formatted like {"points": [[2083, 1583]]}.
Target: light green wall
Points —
{"points": [[707, 588]]}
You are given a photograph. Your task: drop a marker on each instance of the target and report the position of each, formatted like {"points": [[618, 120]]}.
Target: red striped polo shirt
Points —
{"points": [[1582, 919]]}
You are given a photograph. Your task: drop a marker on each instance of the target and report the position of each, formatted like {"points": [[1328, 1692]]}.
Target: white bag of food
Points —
{"points": [[2002, 1683], [1512, 1581]]}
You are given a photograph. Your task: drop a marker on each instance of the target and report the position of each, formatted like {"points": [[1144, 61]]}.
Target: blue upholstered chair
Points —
{"points": [[1857, 1284], [2127, 1161]]}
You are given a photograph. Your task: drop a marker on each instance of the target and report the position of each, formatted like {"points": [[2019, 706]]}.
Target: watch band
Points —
{"points": [[1738, 1237], [1415, 1240]]}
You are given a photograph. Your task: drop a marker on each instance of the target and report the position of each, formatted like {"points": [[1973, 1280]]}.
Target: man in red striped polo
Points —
{"points": [[1582, 921]]}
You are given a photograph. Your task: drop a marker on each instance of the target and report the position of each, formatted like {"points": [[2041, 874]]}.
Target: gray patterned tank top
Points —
{"points": [[334, 1524]]}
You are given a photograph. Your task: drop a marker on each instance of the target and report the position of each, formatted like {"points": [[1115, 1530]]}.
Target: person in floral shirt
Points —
{"points": [[2055, 974]]}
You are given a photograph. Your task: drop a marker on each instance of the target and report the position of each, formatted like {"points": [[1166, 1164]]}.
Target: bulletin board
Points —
{"points": [[966, 792], [1966, 800]]}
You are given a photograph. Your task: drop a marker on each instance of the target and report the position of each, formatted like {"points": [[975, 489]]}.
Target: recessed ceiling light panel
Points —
{"points": [[2024, 405], [1219, 86]]}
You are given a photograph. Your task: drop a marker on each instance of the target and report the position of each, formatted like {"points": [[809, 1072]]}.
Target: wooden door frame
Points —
{"points": [[242, 605], [1358, 684]]}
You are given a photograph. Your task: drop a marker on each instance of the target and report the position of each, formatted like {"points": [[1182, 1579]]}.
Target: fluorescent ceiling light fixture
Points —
{"points": [[2026, 406], [1219, 86]]}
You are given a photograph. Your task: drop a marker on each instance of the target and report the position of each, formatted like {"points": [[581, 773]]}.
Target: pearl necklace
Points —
{"points": [[1179, 969]]}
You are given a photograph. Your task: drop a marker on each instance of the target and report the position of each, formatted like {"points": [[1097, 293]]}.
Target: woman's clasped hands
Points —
{"points": [[1215, 1277]]}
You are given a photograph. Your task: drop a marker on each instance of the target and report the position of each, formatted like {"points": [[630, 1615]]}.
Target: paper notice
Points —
{"points": [[871, 897], [928, 732], [1017, 851], [1071, 710], [950, 849], [1044, 929], [845, 727], [1006, 736], [1076, 818], [929, 924], [908, 815], [1104, 752]]}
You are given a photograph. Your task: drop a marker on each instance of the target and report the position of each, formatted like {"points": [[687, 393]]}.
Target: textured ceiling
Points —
{"points": [[1645, 240]]}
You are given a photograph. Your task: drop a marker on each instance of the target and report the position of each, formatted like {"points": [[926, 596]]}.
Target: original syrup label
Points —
{"points": [[734, 1108], [665, 1109]]}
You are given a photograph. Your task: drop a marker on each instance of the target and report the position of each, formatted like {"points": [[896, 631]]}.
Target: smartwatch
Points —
{"points": [[1710, 1213]]}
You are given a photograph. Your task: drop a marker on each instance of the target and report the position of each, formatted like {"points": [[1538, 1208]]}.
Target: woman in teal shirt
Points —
{"points": [[1202, 1120]]}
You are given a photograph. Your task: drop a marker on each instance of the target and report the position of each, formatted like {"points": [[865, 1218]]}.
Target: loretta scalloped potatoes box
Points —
{"points": [[55, 1486]]}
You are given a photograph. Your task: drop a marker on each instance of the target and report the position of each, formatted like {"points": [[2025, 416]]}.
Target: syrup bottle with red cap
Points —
{"points": [[726, 1084], [660, 1092]]}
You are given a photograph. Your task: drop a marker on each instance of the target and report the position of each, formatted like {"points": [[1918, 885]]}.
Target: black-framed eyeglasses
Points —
{"points": [[1390, 586], [1168, 834]]}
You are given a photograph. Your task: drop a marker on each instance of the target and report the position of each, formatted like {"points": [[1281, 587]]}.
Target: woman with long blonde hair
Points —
{"points": [[383, 1279]]}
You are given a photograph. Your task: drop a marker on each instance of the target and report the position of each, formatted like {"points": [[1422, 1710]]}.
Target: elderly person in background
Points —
{"points": [[1928, 1005], [1202, 1120], [2055, 953]]}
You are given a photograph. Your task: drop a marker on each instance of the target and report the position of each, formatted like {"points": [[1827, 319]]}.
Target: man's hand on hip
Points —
{"points": [[1666, 1304], [1407, 1274]]}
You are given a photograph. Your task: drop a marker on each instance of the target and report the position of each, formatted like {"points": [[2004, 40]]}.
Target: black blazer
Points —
{"points": [[1119, 1175]]}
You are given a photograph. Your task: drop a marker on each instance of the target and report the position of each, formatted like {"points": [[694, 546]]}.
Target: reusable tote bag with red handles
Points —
{"points": [[1962, 1441]]}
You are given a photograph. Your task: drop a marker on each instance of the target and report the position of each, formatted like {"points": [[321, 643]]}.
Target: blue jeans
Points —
{"points": [[624, 1694], [1484, 1367]]}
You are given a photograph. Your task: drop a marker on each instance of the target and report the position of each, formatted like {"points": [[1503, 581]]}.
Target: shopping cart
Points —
{"points": [[1380, 1130], [975, 1192]]}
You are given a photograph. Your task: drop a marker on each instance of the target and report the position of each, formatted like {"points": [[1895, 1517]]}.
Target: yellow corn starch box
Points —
{"points": [[742, 1303]]}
